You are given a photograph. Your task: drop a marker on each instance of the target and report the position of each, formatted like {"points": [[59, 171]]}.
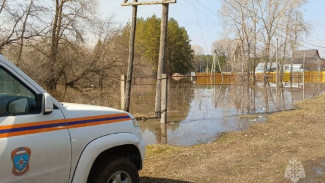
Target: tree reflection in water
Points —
{"points": [[199, 113]]}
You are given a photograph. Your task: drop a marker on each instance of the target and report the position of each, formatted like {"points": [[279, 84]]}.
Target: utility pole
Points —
{"points": [[276, 73], [214, 67], [276, 66], [303, 76], [131, 57], [162, 53]]}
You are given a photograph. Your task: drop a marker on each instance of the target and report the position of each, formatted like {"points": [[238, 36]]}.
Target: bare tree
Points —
{"points": [[57, 38], [70, 22], [259, 23], [271, 15], [95, 64], [3, 3], [14, 22], [29, 9], [230, 49], [199, 62]]}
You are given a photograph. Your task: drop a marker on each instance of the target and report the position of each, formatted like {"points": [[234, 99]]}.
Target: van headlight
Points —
{"points": [[135, 122]]}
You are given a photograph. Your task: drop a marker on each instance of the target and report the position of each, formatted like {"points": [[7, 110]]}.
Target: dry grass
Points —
{"points": [[259, 154], [249, 116]]}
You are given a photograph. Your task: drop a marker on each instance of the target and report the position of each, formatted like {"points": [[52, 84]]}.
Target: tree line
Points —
{"points": [[179, 56], [252, 28], [64, 42]]}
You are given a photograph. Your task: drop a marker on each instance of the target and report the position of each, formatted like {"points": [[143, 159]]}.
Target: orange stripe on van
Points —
{"points": [[48, 126]]}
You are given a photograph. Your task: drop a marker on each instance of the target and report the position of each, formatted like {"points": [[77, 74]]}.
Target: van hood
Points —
{"points": [[72, 106], [83, 110]]}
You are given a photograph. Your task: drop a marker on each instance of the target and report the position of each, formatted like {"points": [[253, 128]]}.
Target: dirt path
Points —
{"points": [[260, 154]]}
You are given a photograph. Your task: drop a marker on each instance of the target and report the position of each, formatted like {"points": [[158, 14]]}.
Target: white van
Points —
{"points": [[43, 140]]}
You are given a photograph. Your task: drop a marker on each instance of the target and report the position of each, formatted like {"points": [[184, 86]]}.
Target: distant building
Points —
{"points": [[313, 61], [295, 68], [271, 67]]}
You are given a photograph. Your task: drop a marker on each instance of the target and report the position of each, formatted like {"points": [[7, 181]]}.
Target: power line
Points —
{"points": [[321, 39], [313, 44], [208, 9], [203, 12], [211, 11], [198, 21], [48, 5]]}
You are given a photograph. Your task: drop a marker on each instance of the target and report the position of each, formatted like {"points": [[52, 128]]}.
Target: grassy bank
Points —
{"points": [[259, 154]]}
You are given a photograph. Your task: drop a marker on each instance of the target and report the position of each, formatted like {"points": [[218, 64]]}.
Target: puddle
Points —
{"points": [[314, 170]]}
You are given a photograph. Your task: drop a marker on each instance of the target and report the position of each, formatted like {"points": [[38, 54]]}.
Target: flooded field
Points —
{"points": [[199, 113]]}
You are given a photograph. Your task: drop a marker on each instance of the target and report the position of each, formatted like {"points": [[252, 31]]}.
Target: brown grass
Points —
{"points": [[259, 154]]}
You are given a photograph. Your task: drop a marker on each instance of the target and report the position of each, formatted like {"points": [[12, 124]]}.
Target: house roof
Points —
{"points": [[310, 55], [307, 53]]}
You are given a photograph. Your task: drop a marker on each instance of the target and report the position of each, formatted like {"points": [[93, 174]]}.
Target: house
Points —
{"points": [[269, 67], [313, 61], [295, 68]]}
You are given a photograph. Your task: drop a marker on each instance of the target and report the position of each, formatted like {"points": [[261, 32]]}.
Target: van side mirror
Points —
{"points": [[47, 104]]}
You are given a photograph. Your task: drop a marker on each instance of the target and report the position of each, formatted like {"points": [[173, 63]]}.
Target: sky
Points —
{"points": [[200, 19]]}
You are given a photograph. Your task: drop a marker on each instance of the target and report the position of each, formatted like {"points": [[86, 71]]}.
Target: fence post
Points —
{"points": [[123, 84], [164, 96]]}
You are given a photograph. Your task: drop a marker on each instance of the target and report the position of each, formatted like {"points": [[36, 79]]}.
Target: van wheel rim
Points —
{"points": [[120, 177]]}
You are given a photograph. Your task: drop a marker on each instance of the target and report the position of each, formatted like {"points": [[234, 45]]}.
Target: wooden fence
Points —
{"points": [[233, 78]]}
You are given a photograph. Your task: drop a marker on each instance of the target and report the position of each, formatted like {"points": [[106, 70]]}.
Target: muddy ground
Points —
{"points": [[259, 154]]}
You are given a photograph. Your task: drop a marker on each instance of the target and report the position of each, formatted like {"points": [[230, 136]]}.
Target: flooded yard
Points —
{"points": [[199, 113]]}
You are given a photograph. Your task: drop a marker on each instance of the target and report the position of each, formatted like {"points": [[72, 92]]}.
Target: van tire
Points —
{"points": [[118, 168]]}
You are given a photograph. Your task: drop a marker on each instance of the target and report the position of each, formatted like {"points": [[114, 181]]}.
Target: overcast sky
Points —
{"points": [[201, 20]]}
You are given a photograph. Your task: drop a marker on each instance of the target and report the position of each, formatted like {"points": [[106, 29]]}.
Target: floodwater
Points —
{"points": [[199, 113]]}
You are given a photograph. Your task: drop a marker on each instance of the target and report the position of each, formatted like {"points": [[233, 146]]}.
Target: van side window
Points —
{"points": [[15, 98]]}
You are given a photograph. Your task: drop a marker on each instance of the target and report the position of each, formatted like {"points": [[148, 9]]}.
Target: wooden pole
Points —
{"points": [[164, 98], [149, 3], [163, 133], [303, 77], [131, 57], [162, 53], [122, 92], [162, 56], [276, 72], [214, 67]]}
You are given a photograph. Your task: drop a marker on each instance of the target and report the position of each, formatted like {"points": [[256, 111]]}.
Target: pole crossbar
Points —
{"points": [[149, 3]]}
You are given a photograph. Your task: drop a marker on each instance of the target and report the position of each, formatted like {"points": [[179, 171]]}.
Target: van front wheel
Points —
{"points": [[119, 170]]}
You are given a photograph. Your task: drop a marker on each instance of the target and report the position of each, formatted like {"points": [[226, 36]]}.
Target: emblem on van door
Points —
{"points": [[20, 158]]}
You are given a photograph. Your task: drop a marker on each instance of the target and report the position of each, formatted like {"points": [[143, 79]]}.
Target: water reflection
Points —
{"points": [[219, 108], [199, 113]]}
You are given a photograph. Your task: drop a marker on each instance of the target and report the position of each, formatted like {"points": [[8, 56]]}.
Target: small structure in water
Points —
{"points": [[178, 76]]}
